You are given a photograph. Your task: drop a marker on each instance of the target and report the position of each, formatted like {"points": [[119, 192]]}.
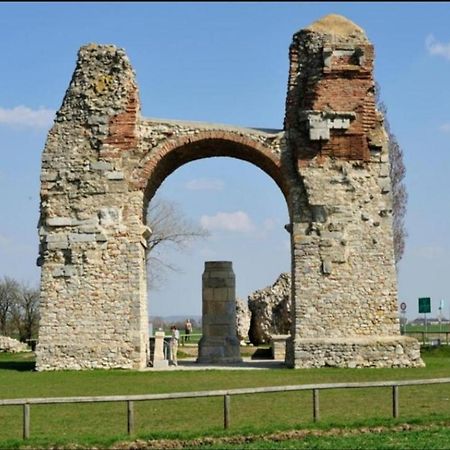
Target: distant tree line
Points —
{"points": [[19, 310]]}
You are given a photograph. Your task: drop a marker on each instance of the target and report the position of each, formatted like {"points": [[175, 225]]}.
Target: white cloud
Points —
{"points": [[205, 184], [238, 221], [437, 48], [4, 241], [266, 228], [27, 117], [445, 127], [269, 224]]}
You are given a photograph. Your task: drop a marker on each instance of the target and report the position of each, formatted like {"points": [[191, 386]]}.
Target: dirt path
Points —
{"points": [[274, 437]]}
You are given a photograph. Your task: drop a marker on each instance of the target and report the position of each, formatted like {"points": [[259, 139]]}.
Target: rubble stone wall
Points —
{"points": [[103, 162]]}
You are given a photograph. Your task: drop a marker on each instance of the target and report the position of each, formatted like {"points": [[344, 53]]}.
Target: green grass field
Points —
{"points": [[104, 423]]}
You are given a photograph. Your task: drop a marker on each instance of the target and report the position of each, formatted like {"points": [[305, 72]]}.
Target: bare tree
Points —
{"points": [[399, 193], [19, 309], [9, 291], [170, 228], [25, 313]]}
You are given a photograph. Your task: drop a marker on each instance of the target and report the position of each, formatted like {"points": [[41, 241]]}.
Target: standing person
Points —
{"points": [[174, 344], [187, 330]]}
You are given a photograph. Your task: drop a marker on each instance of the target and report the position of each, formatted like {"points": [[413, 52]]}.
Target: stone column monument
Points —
{"points": [[219, 343]]}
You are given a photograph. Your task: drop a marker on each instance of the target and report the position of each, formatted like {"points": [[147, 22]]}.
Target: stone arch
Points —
{"points": [[160, 162], [102, 162]]}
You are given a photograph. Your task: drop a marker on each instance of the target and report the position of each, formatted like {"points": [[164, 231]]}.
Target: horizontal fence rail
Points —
{"points": [[426, 336], [225, 393]]}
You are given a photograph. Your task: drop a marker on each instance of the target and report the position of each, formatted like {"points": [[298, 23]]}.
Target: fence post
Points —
{"points": [[26, 421], [130, 416], [395, 405], [226, 411], [316, 405]]}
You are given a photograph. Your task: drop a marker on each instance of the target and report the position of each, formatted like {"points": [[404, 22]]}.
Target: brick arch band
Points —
{"points": [[161, 161], [102, 162]]}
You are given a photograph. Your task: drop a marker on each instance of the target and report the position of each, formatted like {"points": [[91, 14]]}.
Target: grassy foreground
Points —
{"points": [[104, 424]]}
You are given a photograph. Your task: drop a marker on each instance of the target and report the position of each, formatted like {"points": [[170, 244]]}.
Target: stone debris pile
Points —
{"points": [[270, 310], [11, 345]]}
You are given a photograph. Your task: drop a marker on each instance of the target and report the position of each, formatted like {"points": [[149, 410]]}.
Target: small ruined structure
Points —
{"points": [[242, 320], [103, 162], [219, 342], [270, 310]]}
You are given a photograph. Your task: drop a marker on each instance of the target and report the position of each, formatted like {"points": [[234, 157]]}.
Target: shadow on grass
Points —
{"points": [[18, 366], [19, 362]]}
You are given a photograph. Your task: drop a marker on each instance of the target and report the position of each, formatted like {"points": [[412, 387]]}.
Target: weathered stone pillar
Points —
{"points": [[344, 287], [219, 342], [92, 237]]}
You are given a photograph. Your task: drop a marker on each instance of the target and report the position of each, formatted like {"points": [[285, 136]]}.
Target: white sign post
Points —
{"points": [[403, 318]]}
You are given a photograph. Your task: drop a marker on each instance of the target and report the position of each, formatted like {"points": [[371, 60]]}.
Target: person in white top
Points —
{"points": [[174, 344]]}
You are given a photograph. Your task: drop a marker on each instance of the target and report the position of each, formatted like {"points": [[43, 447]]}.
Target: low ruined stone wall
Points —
{"points": [[386, 351]]}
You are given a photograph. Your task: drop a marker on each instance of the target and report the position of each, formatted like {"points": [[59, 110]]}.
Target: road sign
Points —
{"points": [[424, 305], [403, 306]]}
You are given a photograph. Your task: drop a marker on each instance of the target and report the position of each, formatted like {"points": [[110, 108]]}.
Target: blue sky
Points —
{"points": [[227, 63]]}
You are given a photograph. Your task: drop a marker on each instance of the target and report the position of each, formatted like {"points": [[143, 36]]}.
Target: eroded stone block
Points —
{"points": [[219, 342]]}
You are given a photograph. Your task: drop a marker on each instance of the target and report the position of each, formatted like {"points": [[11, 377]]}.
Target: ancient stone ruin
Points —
{"points": [[103, 162], [270, 310], [242, 320]]}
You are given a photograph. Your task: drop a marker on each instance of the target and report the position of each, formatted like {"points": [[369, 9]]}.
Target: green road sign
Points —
{"points": [[424, 305]]}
